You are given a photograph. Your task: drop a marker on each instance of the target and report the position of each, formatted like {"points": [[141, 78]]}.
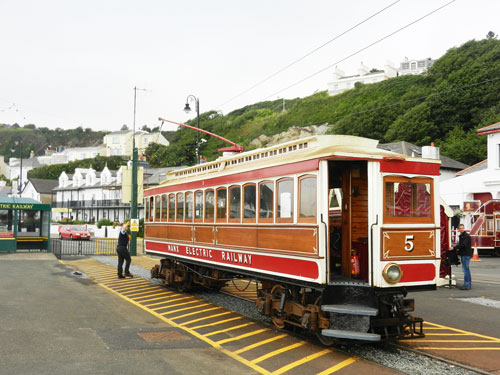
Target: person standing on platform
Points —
{"points": [[123, 254], [464, 249]]}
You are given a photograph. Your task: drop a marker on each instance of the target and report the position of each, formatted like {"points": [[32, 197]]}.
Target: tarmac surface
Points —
{"points": [[54, 322]]}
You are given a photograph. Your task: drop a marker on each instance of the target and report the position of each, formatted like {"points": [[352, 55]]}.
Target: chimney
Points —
{"points": [[430, 152]]}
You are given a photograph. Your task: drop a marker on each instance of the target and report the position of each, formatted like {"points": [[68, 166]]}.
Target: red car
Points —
{"points": [[74, 232]]}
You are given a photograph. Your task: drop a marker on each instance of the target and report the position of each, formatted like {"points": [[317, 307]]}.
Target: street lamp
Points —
{"points": [[20, 144], [187, 109]]}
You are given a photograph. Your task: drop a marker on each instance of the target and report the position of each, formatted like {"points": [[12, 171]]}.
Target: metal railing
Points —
{"points": [[90, 203], [96, 246]]}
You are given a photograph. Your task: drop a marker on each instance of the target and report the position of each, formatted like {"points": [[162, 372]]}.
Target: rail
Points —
{"points": [[96, 246]]}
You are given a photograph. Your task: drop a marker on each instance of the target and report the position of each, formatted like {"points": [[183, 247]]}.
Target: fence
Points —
{"points": [[97, 246]]}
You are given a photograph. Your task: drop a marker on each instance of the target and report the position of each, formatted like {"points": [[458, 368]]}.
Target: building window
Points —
{"points": [[115, 140], [285, 200], [189, 206], [413, 66], [221, 204], [249, 198], [266, 201], [307, 199], [235, 203], [6, 222]]}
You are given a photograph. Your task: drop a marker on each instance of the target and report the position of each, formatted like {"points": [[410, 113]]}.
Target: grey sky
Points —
{"points": [[75, 63]]}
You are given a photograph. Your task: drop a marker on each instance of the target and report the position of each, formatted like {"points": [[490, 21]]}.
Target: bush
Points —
{"points": [[104, 222]]}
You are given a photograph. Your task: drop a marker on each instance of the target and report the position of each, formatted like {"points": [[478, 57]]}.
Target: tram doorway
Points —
{"points": [[348, 219]]}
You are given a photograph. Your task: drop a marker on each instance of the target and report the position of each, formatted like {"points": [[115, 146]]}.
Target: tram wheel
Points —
{"points": [[325, 340], [276, 294]]}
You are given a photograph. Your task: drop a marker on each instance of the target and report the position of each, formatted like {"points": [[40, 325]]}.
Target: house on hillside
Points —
{"points": [[17, 165], [41, 190], [449, 167], [480, 182], [120, 142], [71, 154], [414, 67]]}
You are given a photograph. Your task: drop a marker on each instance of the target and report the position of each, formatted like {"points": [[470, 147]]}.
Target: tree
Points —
{"points": [[491, 35], [124, 127], [146, 128]]}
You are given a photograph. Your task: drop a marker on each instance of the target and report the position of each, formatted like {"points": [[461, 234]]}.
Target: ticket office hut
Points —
{"points": [[24, 224]]}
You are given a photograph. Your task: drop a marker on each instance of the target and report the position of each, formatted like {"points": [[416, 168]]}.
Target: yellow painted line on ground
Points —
{"points": [[162, 294], [218, 322], [183, 309], [446, 334], [338, 366], [191, 331], [256, 345], [206, 317], [170, 300], [456, 341], [147, 293], [301, 362], [227, 329], [194, 313], [470, 348], [141, 286], [177, 304], [276, 352], [122, 282], [242, 336], [493, 339]]}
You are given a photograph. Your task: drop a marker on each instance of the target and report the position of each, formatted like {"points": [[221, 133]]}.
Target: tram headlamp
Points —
{"points": [[392, 273]]}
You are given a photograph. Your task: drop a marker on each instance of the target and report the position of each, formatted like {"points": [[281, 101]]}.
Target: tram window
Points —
{"points": [[209, 205], [266, 201], [249, 199], [164, 207], [198, 211], [235, 203], [5, 221], [157, 208], [285, 200], [221, 204], [148, 208], [180, 207], [28, 223], [307, 201], [171, 207], [335, 199], [189, 206], [408, 199]]}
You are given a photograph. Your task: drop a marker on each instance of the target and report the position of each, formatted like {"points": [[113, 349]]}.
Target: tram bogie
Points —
{"points": [[334, 229]]}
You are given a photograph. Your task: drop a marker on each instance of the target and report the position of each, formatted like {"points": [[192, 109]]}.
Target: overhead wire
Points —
{"points": [[362, 49], [309, 53]]}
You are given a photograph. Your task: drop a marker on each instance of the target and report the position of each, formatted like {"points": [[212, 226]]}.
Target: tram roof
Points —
{"points": [[314, 147]]}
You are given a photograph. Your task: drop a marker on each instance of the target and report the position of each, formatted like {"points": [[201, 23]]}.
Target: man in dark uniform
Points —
{"points": [[464, 249], [123, 254]]}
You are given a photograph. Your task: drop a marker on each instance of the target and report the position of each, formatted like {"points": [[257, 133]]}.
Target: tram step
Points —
{"points": [[353, 335], [350, 309]]}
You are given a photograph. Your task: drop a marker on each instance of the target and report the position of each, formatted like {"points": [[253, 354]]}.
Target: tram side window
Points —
{"points": [[285, 200], [171, 207], [209, 205], [249, 199], [148, 209], [157, 208], [235, 203], [266, 201], [198, 210], [408, 199], [221, 204], [180, 206], [189, 206], [28, 223], [5, 223], [164, 207], [151, 208], [307, 199]]}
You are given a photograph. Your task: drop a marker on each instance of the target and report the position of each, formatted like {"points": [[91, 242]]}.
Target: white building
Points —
{"points": [[480, 181], [41, 190], [89, 195], [120, 143], [71, 154], [342, 82], [407, 66]]}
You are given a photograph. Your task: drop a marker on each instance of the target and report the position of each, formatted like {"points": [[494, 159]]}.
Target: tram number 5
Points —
{"points": [[409, 242]]}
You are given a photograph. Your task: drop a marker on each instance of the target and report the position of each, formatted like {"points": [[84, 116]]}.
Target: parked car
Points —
{"points": [[74, 232]]}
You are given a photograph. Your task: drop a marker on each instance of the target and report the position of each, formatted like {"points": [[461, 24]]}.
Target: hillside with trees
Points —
{"points": [[458, 94]]}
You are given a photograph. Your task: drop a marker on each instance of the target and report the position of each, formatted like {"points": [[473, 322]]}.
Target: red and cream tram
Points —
{"points": [[334, 229]]}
